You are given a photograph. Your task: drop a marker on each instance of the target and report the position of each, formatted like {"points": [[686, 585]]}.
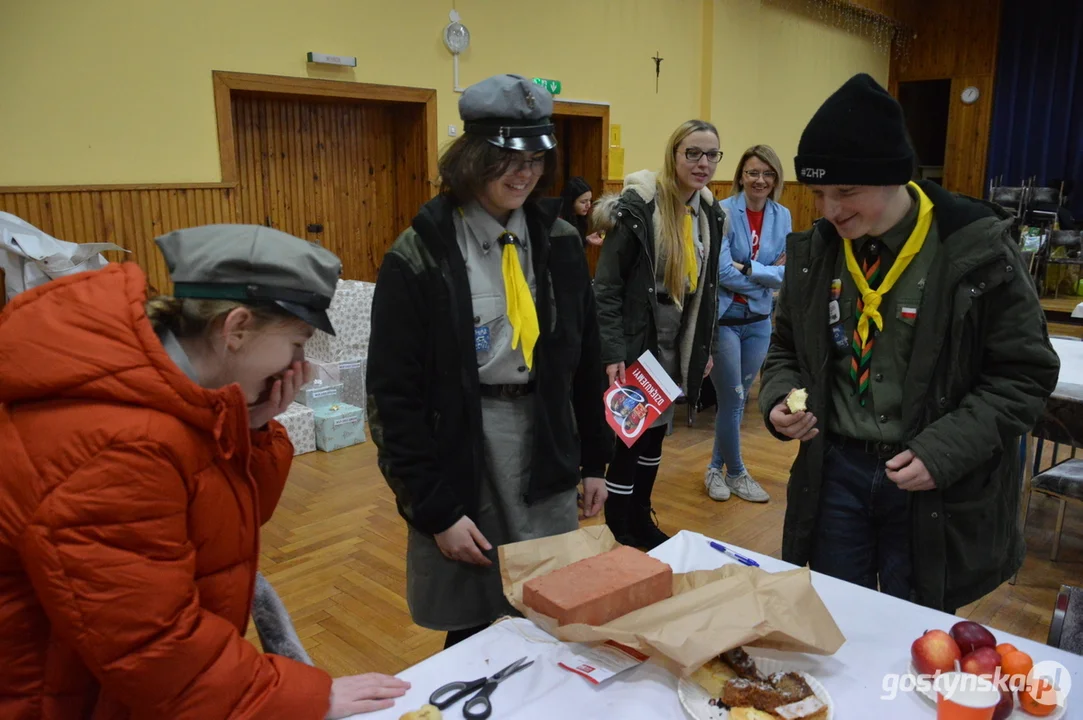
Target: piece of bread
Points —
{"points": [[796, 400], [747, 713], [742, 664], [742, 692], [713, 676], [600, 588], [811, 708], [791, 686], [426, 712]]}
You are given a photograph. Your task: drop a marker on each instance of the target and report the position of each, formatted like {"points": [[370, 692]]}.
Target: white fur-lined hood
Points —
{"points": [[643, 183]]}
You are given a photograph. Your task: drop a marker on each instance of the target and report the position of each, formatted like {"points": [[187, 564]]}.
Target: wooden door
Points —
{"points": [[583, 139], [349, 174]]}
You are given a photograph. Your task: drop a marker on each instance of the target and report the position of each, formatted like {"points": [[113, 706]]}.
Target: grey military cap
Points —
{"points": [[253, 264], [510, 112]]}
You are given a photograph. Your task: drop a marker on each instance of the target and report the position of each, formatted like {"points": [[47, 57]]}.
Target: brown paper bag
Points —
{"points": [[711, 611]]}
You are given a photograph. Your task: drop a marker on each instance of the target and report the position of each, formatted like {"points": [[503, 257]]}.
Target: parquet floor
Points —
{"points": [[335, 548]]}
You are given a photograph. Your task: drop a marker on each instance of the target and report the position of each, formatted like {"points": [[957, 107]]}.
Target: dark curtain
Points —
{"points": [[1037, 127]]}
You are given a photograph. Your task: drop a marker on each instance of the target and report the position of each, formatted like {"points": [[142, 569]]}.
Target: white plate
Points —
{"points": [[929, 693], [696, 700]]}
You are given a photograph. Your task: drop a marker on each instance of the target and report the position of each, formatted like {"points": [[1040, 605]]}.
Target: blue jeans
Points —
{"points": [[738, 357], [863, 532]]}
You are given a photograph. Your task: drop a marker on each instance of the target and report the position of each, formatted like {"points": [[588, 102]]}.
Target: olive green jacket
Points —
{"points": [[980, 373]]}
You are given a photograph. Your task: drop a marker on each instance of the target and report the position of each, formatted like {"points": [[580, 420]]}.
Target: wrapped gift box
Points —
{"points": [[300, 426], [339, 426], [351, 316], [319, 394], [352, 375]]}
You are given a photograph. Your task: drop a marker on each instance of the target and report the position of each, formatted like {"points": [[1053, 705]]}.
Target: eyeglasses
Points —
{"points": [[756, 175], [694, 154], [535, 165]]}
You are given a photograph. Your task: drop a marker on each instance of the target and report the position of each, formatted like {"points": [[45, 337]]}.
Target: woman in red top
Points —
{"points": [[750, 269]]}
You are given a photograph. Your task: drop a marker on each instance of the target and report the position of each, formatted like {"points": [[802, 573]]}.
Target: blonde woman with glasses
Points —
{"points": [[655, 287], [749, 270]]}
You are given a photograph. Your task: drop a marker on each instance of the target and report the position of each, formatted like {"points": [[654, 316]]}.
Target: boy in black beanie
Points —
{"points": [[908, 316]]}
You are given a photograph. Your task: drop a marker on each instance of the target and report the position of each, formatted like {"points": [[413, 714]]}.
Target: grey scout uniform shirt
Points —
{"points": [[880, 420], [476, 232]]}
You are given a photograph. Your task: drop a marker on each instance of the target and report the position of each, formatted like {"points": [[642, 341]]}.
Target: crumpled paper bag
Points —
{"points": [[710, 612]]}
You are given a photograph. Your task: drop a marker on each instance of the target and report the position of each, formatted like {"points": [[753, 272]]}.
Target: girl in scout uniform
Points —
{"points": [[141, 458], [484, 373], [655, 285]]}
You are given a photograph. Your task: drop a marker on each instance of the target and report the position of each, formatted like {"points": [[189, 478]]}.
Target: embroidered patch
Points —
{"points": [[833, 315], [482, 339], [836, 288], [908, 313]]}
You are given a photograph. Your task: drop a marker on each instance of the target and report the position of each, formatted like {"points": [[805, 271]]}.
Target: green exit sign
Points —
{"points": [[553, 86]]}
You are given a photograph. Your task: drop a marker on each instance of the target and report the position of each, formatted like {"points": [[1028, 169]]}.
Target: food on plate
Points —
{"points": [[1005, 648], [811, 708], [934, 652], [713, 676], [791, 685], [742, 692], [983, 661], [742, 664], [426, 712], [1016, 664], [1005, 707], [748, 713], [797, 400], [600, 588], [1038, 698], [970, 636]]}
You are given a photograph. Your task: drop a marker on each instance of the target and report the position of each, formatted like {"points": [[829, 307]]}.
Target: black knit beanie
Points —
{"points": [[857, 137]]}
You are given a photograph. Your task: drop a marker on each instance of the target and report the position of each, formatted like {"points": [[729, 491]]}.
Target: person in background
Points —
{"points": [[575, 202], [908, 317], [749, 271], [655, 285], [484, 368], [141, 458]]}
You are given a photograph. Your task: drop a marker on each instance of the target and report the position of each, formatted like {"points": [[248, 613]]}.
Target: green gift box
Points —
{"points": [[339, 426]]}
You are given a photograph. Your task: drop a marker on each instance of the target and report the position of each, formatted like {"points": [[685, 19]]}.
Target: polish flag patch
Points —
{"points": [[908, 313]]}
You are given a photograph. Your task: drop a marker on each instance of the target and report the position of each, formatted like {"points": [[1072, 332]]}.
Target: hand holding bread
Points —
{"points": [[791, 417]]}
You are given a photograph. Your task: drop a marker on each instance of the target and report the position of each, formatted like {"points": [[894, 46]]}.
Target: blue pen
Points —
{"points": [[739, 558]]}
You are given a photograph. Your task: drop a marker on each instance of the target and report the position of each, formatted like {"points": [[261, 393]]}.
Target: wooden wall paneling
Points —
{"points": [[968, 137]]}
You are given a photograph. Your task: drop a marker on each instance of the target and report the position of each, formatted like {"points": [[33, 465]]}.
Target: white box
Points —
{"points": [[351, 316], [300, 424]]}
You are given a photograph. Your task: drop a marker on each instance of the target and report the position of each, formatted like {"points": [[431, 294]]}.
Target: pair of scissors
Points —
{"points": [[477, 707]]}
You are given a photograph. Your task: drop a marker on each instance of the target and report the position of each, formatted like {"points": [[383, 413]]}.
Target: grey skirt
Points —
{"points": [[448, 595]]}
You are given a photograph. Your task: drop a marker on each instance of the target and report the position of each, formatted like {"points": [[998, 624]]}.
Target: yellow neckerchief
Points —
{"points": [[689, 243], [521, 311], [871, 298]]}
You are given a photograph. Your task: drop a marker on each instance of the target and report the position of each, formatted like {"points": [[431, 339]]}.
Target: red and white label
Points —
{"points": [[598, 663]]}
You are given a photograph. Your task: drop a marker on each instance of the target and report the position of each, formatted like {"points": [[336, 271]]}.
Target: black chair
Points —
{"points": [[1063, 479], [1066, 628]]}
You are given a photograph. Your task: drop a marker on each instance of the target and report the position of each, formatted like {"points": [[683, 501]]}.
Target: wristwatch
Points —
{"points": [[747, 269]]}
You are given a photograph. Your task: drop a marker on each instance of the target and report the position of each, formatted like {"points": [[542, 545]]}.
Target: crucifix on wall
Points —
{"points": [[657, 68]]}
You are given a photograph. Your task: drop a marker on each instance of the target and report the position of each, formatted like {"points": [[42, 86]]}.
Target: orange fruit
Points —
{"points": [[1005, 648], [1016, 663], [1038, 699]]}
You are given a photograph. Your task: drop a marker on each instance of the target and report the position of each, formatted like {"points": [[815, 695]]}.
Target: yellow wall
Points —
{"points": [[772, 70], [119, 91]]}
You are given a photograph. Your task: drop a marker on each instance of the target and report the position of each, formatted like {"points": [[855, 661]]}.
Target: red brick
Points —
{"points": [[601, 588]]}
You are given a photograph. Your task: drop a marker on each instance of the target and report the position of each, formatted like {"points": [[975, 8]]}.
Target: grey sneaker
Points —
{"points": [[744, 487], [716, 485]]}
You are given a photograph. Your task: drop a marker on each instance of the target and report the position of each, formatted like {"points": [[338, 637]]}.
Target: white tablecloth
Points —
{"points": [[1070, 353], [879, 630]]}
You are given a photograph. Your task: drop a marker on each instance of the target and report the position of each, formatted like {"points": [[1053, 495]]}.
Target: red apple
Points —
{"points": [[1006, 705], [970, 636], [933, 652], [983, 661]]}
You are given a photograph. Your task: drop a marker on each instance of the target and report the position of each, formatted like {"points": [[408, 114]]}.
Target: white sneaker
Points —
{"points": [[744, 487], [716, 485]]}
